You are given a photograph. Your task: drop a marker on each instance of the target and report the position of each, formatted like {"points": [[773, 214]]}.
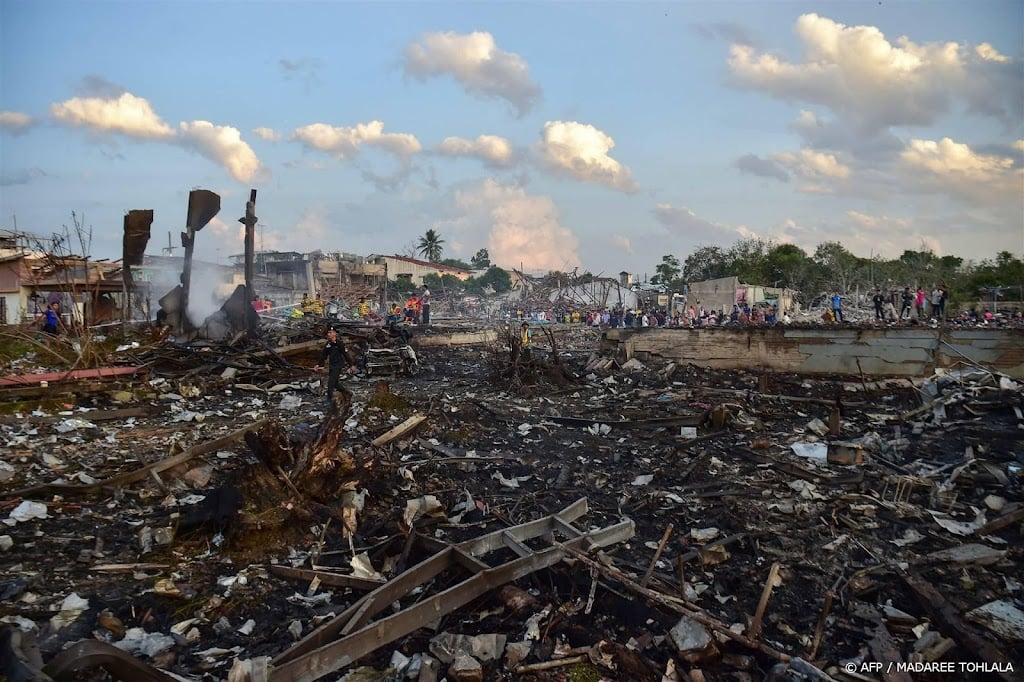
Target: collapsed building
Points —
{"points": [[650, 517]]}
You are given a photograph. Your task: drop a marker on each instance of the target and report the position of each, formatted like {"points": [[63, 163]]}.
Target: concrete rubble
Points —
{"points": [[485, 515]]}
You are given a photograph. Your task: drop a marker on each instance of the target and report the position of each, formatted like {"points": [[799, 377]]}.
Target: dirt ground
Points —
{"points": [[701, 461]]}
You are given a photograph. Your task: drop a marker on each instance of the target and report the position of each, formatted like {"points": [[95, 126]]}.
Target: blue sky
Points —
{"points": [[598, 135]]}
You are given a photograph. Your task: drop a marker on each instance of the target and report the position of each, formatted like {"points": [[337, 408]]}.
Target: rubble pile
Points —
{"points": [[641, 523]]}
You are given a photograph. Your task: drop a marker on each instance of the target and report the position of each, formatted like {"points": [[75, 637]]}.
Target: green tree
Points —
{"points": [[495, 278], [707, 262], [481, 260], [430, 246], [787, 265], [668, 271], [748, 260], [455, 263], [840, 269]]}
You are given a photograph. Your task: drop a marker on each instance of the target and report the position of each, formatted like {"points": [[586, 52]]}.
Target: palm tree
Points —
{"points": [[430, 246]]}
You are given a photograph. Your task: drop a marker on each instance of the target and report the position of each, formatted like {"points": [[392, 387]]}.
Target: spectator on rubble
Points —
{"points": [[336, 357], [425, 304], [878, 300], [333, 308], [906, 303], [837, 306], [919, 299], [525, 339]]}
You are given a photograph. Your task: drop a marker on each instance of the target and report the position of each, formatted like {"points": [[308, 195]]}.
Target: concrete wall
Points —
{"points": [[826, 350]]}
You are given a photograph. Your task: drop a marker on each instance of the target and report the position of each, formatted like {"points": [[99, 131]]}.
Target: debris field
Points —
{"points": [[212, 517]]}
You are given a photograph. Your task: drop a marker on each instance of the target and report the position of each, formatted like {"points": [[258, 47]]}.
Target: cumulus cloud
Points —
{"points": [[268, 134], [580, 151], [812, 164], [15, 121], [475, 61], [133, 117], [766, 168], [223, 145], [126, 115], [522, 230], [862, 76], [344, 142], [491, 149], [954, 167]]}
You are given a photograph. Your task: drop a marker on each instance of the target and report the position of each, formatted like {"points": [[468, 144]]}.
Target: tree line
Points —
{"points": [[833, 267]]}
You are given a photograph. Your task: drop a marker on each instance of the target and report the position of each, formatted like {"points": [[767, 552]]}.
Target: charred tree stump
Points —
{"points": [[292, 482]]}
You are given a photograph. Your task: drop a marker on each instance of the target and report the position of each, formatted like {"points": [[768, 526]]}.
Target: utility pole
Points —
{"points": [[249, 220]]}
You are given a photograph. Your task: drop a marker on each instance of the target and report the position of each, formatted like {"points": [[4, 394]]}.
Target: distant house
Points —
{"points": [[413, 270], [88, 291], [725, 292]]}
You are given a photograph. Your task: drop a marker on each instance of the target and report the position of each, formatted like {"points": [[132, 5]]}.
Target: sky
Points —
{"points": [[557, 135]]}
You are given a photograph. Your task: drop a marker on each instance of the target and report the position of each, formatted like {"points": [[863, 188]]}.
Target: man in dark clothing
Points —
{"points": [[878, 300], [336, 358], [907, 301]]}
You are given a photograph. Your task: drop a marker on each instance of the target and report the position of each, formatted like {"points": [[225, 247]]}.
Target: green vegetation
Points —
{"points": [[430, 246], [833, 266]]}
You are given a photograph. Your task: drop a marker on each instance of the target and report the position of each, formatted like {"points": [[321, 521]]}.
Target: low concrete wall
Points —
{"points": [[896, 351]]}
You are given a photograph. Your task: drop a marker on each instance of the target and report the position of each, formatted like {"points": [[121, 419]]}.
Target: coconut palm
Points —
{"points": [[430, 246]]}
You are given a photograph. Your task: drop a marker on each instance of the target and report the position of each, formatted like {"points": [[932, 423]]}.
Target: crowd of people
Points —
{"points": [[693, 316]]}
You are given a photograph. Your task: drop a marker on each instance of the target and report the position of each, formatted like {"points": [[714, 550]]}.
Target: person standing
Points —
{"points": [[837, 306], [936, 302], [336, 358], [878, 300], [907, 303], [425, 303], [919, 298]]}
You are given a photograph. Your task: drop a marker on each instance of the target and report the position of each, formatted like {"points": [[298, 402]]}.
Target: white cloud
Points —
{"points": [[520, 229], [15, 121], [344, 142], [127, 114], [990, 54], [811, 164], [268, 134], [955, 168], [580, 151], [475, 61], [223, 145], [865, 78], [134, 117], [491, 149]]}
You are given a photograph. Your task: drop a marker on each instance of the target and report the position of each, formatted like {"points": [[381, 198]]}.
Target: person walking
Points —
{"points": [[336, 357], [51, 319]]}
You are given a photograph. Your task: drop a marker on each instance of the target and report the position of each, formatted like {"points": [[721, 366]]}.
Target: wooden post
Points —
{"points": [[769, 585]]}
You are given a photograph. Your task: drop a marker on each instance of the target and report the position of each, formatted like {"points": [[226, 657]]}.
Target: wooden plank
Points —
{"points": [[403, 429]]}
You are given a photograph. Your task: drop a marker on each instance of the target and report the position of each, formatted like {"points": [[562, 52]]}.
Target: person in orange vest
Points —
{"points": [[417, 307]]}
